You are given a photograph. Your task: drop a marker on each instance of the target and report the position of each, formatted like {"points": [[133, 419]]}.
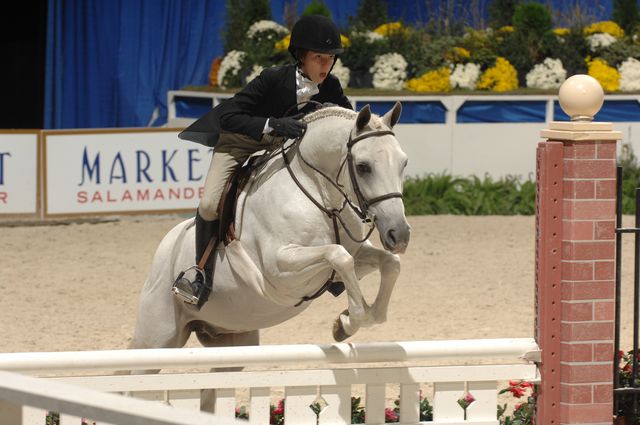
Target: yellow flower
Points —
{"points": [[501, 77], [607, 76], [461, 52], [345, 41], [283, 44], [609, 27], [430, 81], [561, 32], [389, 28], [506, 28]]}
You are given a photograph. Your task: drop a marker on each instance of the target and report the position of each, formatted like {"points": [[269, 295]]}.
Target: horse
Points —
{"points": [[306, 214]]}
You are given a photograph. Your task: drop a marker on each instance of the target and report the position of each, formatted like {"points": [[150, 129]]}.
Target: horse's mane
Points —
{"points": [[339, 112], [333, 111]]}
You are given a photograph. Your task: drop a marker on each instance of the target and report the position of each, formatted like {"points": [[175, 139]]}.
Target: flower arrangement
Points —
{"points": [[265, 28], [255, 71], [341, 72], [389, 71], [283, 44], [608, 27], [213, 72], [432, 81], [625, 373], [523, 412], [599, 40], [228, 73], [501, 77], [629, 75], [561, 32], [389, 28], [549, 74], [465, 76], [606, 75]]}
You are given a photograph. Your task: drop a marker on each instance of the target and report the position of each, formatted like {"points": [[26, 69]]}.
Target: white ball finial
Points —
{"points": [[581, 97]]}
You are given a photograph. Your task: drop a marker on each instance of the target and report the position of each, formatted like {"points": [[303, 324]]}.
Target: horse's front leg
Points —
{"points": [[307, 259], [369, 258]]}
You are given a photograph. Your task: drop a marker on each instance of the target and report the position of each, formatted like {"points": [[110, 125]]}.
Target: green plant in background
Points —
{"points": [[445, 194], [625, 13], [618, 52], [371, 14], [531, 39], [317, 7], [240, 15], [630, 178], [571, 49], [501, 13]]}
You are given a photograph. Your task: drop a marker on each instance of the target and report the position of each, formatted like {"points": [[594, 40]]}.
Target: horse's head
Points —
{"points": [[377, 166]]}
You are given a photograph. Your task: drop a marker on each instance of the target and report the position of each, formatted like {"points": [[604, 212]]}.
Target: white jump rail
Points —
{"points": [[349, 364]]}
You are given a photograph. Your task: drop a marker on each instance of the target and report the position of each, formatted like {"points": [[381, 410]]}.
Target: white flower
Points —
{"points": [[465, 76], [389, 71], [370, 36], [549, 74], [629, 75], [341, 72], [255, 71], [259, 27], [231, 63], [600, 39]]}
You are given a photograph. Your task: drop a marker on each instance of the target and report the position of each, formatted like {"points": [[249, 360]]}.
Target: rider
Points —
{"points": [[254, 119]]}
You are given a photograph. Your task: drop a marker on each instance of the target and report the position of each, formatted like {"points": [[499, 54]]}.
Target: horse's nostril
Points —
{"points": [[392, 237]]}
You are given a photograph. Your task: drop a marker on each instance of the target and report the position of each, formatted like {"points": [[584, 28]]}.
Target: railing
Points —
{"points": [[330, 388]]}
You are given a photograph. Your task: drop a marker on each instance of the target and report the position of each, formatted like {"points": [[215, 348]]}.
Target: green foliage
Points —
{"points": [[532, 20], [619, 51], [317, 7], [625, 14], [360, 56], [630, 178], [371, 14], [422, 51], [445, 194], [482, 47], [52, 418], [501, 13], [240, 15], [571, 49]]}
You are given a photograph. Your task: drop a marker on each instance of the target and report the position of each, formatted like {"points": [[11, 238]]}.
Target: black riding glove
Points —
{"points": [[288, 127]]}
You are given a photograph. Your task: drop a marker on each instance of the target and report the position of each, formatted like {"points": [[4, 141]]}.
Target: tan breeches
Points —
{"points": [[232, 150]]}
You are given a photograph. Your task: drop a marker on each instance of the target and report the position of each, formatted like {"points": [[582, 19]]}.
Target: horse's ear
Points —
{"points": [[391, 118], [363, 117]]}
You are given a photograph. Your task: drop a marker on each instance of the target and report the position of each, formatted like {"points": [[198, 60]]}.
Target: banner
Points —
{"points": [[122, 171], [19, 173]]}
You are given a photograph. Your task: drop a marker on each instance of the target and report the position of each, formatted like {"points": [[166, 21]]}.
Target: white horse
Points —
{"points": [[286, 243]]}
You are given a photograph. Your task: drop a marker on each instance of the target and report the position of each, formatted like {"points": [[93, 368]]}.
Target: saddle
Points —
{"points": [[229, 201]]}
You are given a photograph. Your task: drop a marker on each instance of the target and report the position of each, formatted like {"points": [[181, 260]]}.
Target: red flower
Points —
{"points": [[390, 415], [525, 384], [517, 391], [469, 398]]}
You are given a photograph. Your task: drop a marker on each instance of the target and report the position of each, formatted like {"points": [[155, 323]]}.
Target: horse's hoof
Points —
{"points": [[339, 334]]}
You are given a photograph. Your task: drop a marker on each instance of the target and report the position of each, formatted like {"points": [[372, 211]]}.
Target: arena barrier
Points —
{"points": [[345, 366], [574, 322]]}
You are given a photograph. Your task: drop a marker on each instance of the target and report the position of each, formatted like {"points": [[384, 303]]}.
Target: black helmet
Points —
{"points": [[317, 33]]}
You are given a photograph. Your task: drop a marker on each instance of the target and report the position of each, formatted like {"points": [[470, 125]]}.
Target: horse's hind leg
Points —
{"points": [[208, 396]]}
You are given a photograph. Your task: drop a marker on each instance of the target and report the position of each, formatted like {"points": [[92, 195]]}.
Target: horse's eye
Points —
{"points": [[363, 168]]}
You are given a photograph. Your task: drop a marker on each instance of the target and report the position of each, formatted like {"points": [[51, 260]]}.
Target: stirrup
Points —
{"points": [[188, 291]]}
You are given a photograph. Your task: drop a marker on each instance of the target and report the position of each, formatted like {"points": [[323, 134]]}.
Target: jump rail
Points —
{"points": [[330, 387]]}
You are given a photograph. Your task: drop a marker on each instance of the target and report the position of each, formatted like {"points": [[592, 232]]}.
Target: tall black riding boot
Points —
{"points": [[195, 289]]}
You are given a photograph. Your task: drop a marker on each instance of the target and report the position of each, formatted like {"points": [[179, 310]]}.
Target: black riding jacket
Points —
{"points": [[271, 94]]}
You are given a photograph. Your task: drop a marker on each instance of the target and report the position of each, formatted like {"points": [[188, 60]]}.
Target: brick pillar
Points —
{"points": [[575, 253]]}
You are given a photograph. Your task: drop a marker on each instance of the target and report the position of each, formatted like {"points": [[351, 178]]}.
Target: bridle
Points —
{"points": [[361, 209]]}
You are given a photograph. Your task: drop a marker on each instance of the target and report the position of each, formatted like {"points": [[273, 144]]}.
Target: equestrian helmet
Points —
{"points": [[315, 33]]}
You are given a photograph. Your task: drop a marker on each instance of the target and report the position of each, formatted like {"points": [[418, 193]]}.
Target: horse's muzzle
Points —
{"points": [[396, 239]]}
